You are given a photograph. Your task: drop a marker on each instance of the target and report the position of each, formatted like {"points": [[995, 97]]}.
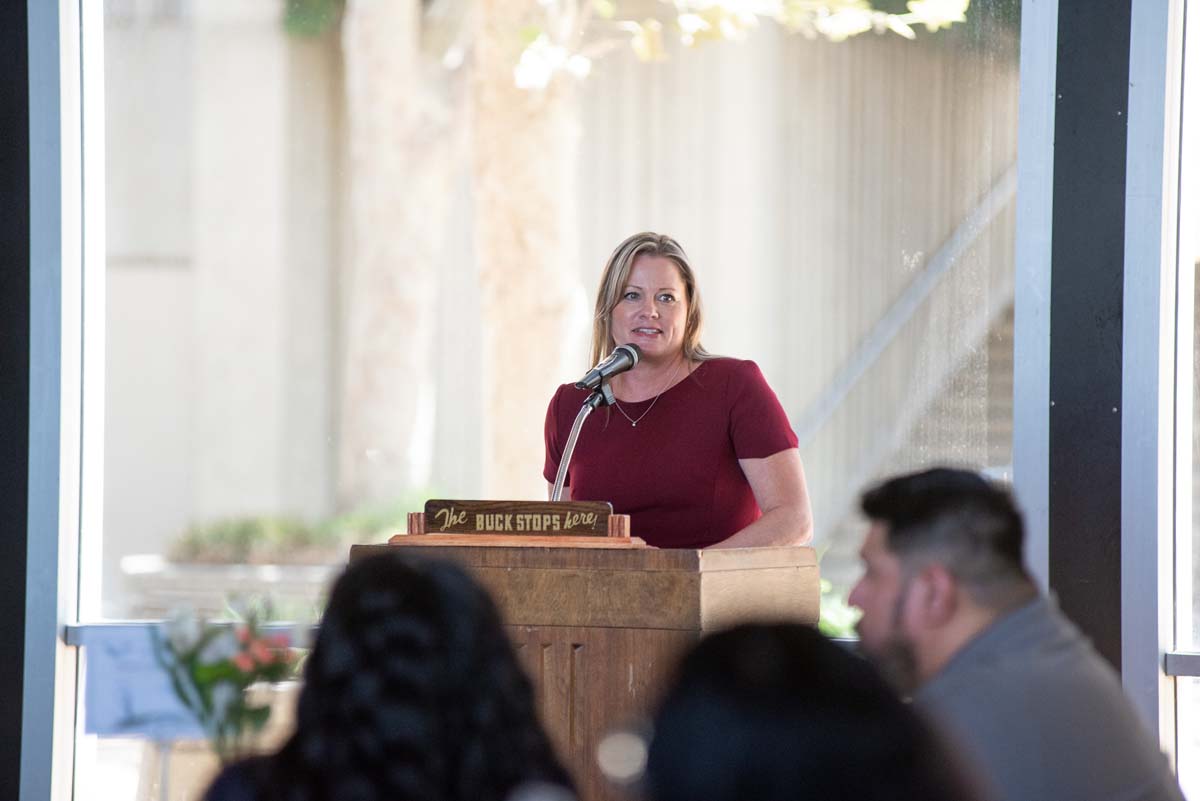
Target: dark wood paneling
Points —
{"points": [[589, 681]]}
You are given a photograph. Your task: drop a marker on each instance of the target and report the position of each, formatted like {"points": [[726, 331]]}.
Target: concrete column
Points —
{"points": [[525, 146]]}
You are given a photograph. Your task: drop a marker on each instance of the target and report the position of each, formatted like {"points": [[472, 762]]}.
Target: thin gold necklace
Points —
{"points": [[666, 386]]}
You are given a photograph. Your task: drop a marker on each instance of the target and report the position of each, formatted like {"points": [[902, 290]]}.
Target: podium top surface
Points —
{"points": [[634, 588], [684, 560]]}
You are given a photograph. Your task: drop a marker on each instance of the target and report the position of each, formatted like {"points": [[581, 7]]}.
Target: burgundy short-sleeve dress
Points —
{"points": [[676, 473]]}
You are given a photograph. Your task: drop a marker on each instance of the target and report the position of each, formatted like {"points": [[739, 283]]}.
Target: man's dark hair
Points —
{"points": [[958, 518]]}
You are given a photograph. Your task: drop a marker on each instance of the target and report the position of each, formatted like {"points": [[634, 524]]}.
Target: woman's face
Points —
{"points": [[652, 311]]}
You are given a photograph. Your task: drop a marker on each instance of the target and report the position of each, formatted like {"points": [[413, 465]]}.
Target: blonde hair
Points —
{"points": [[616, 276]]}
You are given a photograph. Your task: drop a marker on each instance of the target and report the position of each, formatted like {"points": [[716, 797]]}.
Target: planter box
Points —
{"points": [[157, 586]]}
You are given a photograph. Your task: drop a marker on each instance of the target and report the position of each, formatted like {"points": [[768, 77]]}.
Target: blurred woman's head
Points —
{"points": [[413, 691], [774, 712], [649, 251]]}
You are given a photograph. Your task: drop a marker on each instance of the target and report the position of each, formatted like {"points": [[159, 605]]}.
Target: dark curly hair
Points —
{"points": [[776, 712], [412, 692]]}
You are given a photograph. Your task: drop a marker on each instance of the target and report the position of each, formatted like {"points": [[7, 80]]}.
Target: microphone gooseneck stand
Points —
{"points": [[602, 396]]}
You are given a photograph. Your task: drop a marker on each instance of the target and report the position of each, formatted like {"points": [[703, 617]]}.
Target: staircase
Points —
{"points": [[969, 422], [929, 383]]}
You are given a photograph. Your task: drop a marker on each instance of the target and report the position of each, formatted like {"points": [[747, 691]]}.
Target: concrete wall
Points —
{"points": [[223, 224]]}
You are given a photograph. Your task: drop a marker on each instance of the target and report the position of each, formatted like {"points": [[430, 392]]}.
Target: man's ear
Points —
{"points": [[938, 597]]}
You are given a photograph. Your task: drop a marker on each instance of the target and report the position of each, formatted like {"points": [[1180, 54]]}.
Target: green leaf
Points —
{"points": [[837, 617], [217, 672], [530, 34], [605, 9], [311, 18], [257, 717]]}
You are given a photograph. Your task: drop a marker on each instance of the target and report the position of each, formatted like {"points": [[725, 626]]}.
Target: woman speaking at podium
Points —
{"points": [[696, 449]]}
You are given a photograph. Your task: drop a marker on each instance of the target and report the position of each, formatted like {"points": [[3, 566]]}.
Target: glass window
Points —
{"points": [[1188, 740], [1187, 552], [307, 276], [350, 251], [1187, 541], [223, 148]]}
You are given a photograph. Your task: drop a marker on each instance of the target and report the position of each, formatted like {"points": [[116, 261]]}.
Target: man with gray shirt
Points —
{"points": [[950, 613]]}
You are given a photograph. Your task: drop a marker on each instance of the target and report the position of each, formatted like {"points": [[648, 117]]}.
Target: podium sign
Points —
{"points": [[583, 518], [583, 524]]}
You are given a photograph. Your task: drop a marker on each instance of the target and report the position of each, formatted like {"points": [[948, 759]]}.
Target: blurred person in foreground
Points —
{"points": [[951, 614], [697, 449], [412, 692], [777, 712]]}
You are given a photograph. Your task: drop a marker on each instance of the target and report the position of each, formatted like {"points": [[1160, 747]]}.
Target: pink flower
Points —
{"points": [[261, 652], [243, 662], [243, 633]]}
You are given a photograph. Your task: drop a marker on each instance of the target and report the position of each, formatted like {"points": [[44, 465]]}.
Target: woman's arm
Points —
{"points": [[566, 496], [778, 485]]}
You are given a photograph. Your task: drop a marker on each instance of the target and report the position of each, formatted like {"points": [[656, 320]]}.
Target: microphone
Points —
{"points": [[623, 357]]}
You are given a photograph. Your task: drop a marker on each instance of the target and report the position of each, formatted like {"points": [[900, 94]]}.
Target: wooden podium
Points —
{"points": [[599, 629]]}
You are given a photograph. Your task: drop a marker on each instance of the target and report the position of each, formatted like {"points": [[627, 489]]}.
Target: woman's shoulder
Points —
{"points": [[730, 364], [734, 380], [569, 392], [729, 368], [569, 389]]}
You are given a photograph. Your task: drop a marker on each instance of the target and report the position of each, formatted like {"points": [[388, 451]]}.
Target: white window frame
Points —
{"points": [[55, 396], [1157, 304]]}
